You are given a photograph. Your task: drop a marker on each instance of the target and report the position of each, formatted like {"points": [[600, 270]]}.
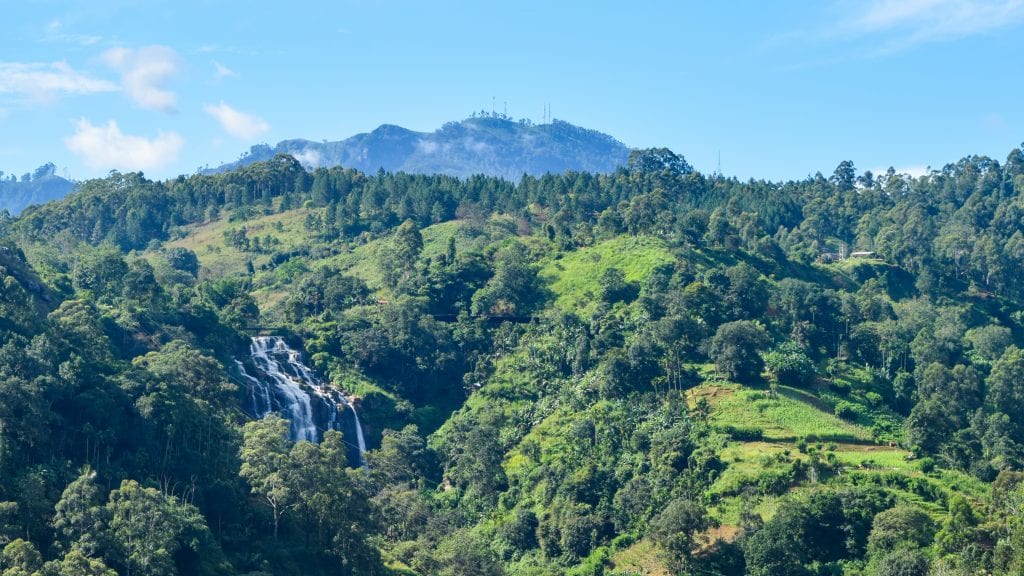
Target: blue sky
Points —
{"points": [[779, 89]]}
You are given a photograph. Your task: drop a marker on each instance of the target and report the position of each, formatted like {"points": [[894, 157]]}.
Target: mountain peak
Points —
{"points": [[37, 187], [490, 145]]}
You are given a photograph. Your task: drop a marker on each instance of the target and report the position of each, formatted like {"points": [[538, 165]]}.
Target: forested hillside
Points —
{"points": [[650, 371]]}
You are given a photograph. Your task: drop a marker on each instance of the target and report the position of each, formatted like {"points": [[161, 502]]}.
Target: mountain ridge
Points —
{"points": [[38, 187], [493, 146]]}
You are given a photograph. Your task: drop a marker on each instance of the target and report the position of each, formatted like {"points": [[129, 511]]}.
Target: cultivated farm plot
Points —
{"points": [[784, 418], [643, 558]]}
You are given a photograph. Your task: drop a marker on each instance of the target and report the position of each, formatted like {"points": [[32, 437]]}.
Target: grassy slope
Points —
{"points": [[362, 261], [573, 278], [217, 260]]}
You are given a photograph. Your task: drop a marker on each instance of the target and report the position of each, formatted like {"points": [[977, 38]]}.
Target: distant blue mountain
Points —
{"points": [[39, 187], [494, 146]]}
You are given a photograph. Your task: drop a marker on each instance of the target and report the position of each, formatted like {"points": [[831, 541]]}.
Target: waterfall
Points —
{"points": [[284, 384], [361, 443]]}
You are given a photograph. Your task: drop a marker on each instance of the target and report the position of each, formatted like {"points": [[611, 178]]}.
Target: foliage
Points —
{"points": [[736, 348], [788, 363], [545, 369]]}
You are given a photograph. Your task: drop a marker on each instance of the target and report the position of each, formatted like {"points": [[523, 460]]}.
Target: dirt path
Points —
{"points": [[767, 446]]}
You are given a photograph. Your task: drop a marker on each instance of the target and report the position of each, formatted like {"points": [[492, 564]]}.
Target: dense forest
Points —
{"points": [[652, 371]]}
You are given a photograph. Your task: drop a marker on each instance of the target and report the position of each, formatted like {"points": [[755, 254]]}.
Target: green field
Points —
{"points": [[784, 418], [574, 278]]}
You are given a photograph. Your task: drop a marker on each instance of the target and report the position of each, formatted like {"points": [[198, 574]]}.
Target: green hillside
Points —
{"points": [[646, 372]]}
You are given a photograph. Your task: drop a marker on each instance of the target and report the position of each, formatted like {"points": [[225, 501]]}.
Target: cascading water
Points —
{"points": [[286, 385]]}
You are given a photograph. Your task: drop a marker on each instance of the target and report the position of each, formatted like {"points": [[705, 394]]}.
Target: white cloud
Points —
{"points": [[914, 171], [41, 81], [144, 74], [427, 146], [309, 158], [106, 147], [239, 124], [55, 33], [913, 22], [222, 49], [221, 71]]}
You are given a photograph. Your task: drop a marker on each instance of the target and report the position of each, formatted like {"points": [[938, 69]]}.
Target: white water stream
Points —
{"points": [[286, 385]]}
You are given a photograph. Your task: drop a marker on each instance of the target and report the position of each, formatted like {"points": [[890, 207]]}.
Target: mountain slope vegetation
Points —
{"points": [[646, 371]]}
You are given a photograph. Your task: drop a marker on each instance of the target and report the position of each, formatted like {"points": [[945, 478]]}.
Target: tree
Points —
{"points": [[845, 176], [399, 260], [678, 529], [959, 531], [747, 295], [183, 259], [75, 563], [403, 456], [317, 478], [900, 527], [474, 461], [265, 464], [149, 529], [720, 231], [520, 531], [735, 350], [901, 562], [655, 160], [408, 241], [514, 286], [178, 364], [615, 288], [989, 341], [79, 518], [778, 548], [788, 363], [466, 553], [1006, 384], [20, 558]]}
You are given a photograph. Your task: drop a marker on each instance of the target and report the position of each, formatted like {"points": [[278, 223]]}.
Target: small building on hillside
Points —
{"points": [[829, 257]]}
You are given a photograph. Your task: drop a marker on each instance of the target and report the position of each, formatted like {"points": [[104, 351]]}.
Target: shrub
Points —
{"points": [[743, 433], [788, 364], [840, 386], [874, 399], [774, 483], [846, 410], [927, 465]]}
